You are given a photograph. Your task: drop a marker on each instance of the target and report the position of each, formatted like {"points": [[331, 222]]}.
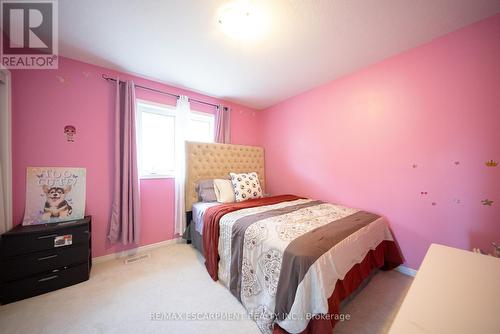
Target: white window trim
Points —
{"points": [[160, 109], [163, 109], [156, 176]]}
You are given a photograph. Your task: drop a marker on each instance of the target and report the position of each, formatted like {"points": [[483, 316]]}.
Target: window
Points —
{"points": [[156, 137], [201, 127]]}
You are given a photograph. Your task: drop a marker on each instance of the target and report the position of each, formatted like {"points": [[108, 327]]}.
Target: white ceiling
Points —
{"points": [[308, 42]]}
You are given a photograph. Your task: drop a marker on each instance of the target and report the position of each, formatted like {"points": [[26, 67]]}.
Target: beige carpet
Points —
{"points": [[121, 298]]}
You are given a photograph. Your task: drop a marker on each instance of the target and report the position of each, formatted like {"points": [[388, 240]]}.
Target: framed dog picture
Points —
{"points": [[54, 194]]}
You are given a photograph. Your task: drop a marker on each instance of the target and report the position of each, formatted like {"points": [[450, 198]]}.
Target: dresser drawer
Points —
{"points": [[40, 262], [37, 285], [21, 243]]}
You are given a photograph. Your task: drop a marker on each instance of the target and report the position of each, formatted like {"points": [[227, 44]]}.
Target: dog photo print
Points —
{"points": [[54, 194]]}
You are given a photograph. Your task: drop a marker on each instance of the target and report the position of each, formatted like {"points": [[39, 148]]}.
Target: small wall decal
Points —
{"points": [[491, 163], [457, 201], [423, 193], [70, 131], [433, 203], [487, 202], [457, 163], [414, 166], [496, 250], [61, 79]]}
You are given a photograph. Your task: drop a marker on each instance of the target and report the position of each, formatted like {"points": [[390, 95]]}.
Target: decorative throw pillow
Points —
{"points": [[246, 186], [224, 191], [206, 192]]}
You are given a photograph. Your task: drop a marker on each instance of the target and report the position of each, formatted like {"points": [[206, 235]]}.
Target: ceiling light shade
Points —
{"points": [[242, 20]]}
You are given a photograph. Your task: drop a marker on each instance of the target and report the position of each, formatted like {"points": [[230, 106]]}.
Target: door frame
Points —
{"points": [[6, 141]]}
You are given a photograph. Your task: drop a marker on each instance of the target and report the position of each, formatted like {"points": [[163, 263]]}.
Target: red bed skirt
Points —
{"points": [[386, 257]]}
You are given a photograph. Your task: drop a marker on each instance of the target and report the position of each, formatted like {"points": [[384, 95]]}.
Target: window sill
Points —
{"points": [[150, 177]]}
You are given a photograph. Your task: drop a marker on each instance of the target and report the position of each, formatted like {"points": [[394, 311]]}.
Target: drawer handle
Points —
{"points": [[47, 236], [47, 257], [48, 278]]}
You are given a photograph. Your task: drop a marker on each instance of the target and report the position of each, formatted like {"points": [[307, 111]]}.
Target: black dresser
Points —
{"points": [[41, 258]]}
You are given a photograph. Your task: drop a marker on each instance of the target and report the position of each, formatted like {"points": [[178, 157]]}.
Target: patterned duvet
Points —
{"points": [[282, 260]]}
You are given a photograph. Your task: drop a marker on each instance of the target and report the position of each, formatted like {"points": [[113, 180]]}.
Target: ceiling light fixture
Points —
{"points": [[241, 20]]}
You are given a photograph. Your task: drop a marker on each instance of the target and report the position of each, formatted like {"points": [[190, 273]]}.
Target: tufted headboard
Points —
{"points": [[211, 161]]}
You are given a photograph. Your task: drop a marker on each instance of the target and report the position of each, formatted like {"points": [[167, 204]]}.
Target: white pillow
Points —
{"points": [[246, 186], [224, 191]]}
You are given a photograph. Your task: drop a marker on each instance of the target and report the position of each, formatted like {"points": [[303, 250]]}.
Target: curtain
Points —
{"points": [[125, 211], [5, 153], [181, 130], [222, 125]]}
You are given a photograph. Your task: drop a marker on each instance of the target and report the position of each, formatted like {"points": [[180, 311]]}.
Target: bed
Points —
{"points": [[289, 260]]}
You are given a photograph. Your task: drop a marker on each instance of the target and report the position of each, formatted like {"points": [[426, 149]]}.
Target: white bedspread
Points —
{"points": [[198, 211]]}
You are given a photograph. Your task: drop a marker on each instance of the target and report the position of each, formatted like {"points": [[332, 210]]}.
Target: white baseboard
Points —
{"points": [[406, 271], [133, 251]]}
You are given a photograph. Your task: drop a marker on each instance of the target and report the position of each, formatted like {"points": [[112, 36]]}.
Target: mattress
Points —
{"points": [[198, 211]]}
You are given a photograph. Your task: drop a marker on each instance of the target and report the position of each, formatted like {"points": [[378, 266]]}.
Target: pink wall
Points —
{"points": [[44, 101], [355, 141]]}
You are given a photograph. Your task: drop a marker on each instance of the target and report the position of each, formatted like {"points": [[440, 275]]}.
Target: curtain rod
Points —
{"points": [[162, 92]]}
